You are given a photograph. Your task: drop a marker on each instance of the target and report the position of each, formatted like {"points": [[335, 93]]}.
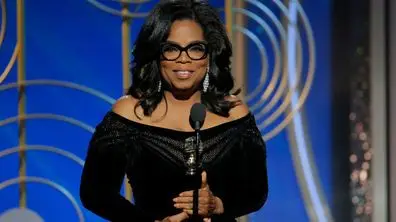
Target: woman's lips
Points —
{"points": [[183, 74]]}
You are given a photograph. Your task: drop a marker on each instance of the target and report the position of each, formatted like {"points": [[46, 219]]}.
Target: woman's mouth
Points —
{"points": [[183, 74]]}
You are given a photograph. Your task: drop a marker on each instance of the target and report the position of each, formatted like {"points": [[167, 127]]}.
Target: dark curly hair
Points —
{"points": [[146, 53]]}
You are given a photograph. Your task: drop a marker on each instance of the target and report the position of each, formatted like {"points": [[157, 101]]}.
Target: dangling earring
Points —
{"points": [[206, 81], [159, 86]]}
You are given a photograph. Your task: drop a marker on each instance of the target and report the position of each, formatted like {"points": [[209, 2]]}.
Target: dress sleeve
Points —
{"points": [[249, 190], [109, 152]]}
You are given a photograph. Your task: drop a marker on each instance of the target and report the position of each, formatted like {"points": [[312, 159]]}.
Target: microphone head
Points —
{"points": [[197, 115]]}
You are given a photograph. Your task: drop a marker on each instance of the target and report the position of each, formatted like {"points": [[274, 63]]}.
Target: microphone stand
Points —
{"points": [[193, 174], [195, 217], [197, 118]]}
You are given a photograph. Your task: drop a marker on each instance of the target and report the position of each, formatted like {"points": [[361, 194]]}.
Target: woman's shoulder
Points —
{"points": [[119, 120], [239, 110], [125, 107], [241, 115], [121, 116]]}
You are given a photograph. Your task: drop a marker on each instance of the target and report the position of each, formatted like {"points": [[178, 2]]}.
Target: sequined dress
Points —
{"points": [[154, 160]]}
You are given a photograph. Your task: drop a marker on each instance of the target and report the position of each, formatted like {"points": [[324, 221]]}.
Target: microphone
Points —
{"points": [[197, 116], [197, 119]]}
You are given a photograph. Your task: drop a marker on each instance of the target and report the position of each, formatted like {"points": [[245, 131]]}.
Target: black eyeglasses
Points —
{"points": [[195, 51]]}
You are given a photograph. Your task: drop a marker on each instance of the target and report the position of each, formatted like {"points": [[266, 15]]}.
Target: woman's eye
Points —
{"points": [[198, 48], [170, 49]]}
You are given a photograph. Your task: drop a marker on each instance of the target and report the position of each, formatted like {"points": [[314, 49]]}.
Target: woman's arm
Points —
{"points": [[249, 191], [104, 171]]}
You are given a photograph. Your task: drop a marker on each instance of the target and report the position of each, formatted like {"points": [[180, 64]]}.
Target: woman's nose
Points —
{"points": [[184, 57]]}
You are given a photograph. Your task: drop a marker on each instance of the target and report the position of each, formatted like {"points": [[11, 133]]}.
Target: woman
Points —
{"points": [[181, 57]]}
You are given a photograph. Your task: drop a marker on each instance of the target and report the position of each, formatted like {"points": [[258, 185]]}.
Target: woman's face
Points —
{"points": [[184, 70]]}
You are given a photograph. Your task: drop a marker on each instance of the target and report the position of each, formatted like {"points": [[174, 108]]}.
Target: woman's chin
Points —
{"points": [[183, 87]]}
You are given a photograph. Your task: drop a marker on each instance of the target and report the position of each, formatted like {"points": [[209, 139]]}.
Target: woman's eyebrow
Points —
{"points": [[192, 42]]}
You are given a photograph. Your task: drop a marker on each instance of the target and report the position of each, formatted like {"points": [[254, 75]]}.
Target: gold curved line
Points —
{"points": [[263, 60], [10, 64], [65, 84], [308, 27], [21, 76], [52, 149], [272, 85], [275, 74], [289, 117], [307, 87], [264, 71], [228, 17], [299, 170], [284, 80], [116, 12], [3, 21], [125, 39], [56, 186], [286, 102], [48, 116], [282, 89], [302, 179], [307, 199]]}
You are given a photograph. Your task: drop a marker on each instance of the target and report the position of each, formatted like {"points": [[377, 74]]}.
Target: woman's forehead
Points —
{"points": [[185, 32]]}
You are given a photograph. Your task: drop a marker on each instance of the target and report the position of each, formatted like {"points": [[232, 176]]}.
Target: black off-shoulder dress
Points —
{"points": [[153, 158]]}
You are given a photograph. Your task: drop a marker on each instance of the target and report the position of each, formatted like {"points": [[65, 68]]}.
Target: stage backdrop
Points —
{"points": [[63, 63]]}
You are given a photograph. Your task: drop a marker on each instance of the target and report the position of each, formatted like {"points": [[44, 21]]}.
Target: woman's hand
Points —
{"points": [[208, 203], [175, 218]]}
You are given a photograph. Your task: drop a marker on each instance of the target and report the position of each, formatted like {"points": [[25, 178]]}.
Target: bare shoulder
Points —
{"points": [[239, 110], [125, 107]]}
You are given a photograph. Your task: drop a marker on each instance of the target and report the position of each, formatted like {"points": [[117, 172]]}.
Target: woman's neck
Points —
{"points": [[187, 99]]}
